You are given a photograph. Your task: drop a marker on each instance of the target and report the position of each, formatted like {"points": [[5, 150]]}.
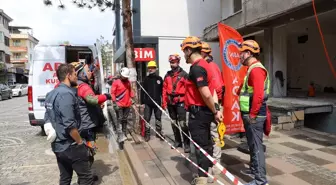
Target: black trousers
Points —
{"points": [[75, 158], [199, 127], [148, 114], [178, 113], [122, 115]]}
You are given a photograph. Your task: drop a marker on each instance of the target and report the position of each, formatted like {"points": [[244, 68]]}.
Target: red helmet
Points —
{"points": [[174, 57]]}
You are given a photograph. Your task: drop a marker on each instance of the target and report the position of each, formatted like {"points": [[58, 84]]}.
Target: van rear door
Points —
{"points": [[46, 61]]}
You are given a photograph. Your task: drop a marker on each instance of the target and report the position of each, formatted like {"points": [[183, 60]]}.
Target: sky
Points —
{"points": [[52, 25]]}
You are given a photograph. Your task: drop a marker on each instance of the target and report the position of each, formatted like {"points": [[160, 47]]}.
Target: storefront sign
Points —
{"points": [[144, 54]]}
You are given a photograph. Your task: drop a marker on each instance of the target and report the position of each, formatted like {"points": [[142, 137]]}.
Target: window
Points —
{"points": [[7, 58], [6, 41], [237, 6], [1, 36], [16, 55], [16, 43]]}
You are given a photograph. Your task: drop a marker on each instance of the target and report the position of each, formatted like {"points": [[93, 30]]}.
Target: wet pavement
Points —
{"points": [[26, 157], [300, 157]]}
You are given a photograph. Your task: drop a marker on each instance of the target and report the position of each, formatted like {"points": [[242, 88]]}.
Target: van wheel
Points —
{"points": [[10, 96], [43, 131], [20, 94]]}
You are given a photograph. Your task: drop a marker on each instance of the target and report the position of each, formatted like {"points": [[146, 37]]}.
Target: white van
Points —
{"points": [[42, 74]]}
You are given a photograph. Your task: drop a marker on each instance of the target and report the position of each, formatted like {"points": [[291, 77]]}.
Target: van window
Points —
{"points": [[76, 54]]}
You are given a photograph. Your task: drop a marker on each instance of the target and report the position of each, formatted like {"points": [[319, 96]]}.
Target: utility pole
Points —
{"points": [[128, 32]]}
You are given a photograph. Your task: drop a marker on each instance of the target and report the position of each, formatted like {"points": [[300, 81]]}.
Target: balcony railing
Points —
{"points": [[19, 60], [18, 49]]}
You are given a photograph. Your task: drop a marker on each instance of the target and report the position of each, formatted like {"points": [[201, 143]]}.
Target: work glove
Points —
{"points": [[251, 120], [108, 96], [50, 131], [115, 106]]}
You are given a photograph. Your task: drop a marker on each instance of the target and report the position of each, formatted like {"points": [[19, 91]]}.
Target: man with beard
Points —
{"points": [[253, 96], [62, 110], [173, 95]]}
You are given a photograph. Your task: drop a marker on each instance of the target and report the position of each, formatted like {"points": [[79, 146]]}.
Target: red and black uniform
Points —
{"points": [[220, 88], [200, 116], [174, 88], [122, 93]]}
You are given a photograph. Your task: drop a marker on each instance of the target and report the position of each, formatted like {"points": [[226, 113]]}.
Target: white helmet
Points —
{"points": [[125, 72]]}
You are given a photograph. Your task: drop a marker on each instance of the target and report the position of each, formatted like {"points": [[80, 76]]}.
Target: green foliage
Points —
{"points": [[89, 4], [106, 52]]}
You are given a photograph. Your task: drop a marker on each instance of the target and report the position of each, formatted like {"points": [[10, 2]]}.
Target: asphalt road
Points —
{"points": [[26, 157]]}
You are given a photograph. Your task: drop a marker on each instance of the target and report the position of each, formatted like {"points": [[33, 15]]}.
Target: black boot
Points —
{"points": [[186, 140], [147, 137], [177, 137], [161, 134]]}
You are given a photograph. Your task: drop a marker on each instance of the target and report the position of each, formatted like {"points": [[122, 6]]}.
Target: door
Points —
{"points": [[46, 61]]}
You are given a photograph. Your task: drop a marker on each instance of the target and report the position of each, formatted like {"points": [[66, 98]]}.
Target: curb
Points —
{"points": [[138, 169]]}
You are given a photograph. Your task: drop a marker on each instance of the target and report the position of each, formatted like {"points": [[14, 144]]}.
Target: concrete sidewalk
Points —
{"points": [[300, 157]]}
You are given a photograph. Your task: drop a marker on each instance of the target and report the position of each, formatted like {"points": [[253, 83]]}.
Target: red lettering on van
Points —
{"points": [[52, 81], [49, 67]]}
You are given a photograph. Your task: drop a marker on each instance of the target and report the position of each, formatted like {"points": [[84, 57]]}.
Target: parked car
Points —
{"points": [[5, 92], [20, 89]]}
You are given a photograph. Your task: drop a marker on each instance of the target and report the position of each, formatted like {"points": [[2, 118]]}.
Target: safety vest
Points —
{"points": [[246, 92]]}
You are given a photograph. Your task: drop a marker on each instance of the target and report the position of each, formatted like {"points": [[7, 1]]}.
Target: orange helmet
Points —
{"points": [[206, 47], [192, 42], [250, 45], [174, 57]]}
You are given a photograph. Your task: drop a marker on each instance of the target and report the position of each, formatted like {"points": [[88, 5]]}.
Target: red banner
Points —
{"points": [[144, 54], [233, 74]]}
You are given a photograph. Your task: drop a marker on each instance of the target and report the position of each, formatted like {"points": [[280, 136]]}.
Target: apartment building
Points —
{"points": [[4, 45], [159, 28], [289, 37], [22, 43]]}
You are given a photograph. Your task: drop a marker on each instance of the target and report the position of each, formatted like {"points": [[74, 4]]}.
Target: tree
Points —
{"points": [[106, 52], [101, 4]]}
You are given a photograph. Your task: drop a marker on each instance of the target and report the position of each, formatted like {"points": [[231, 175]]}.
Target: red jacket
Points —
{"points": [[122, 93], [85, 91], [217, 75], [170, 81]]}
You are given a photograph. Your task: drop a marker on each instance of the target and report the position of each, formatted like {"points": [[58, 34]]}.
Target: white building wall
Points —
{"points": [[226, 8], [178, 18], [279, 60], [174, 20], [307, 62]]}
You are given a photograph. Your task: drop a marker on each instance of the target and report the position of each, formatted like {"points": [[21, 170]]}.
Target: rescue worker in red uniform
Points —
{"points": [[217, 150], [122, 97], [173, 98], [199, 101], [220, 88], [89, 108], [253, 96]]}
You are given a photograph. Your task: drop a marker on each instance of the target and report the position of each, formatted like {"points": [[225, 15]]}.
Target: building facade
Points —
{"points": [[22, 43], [162, 26], [289, 37], [4, 45]]}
